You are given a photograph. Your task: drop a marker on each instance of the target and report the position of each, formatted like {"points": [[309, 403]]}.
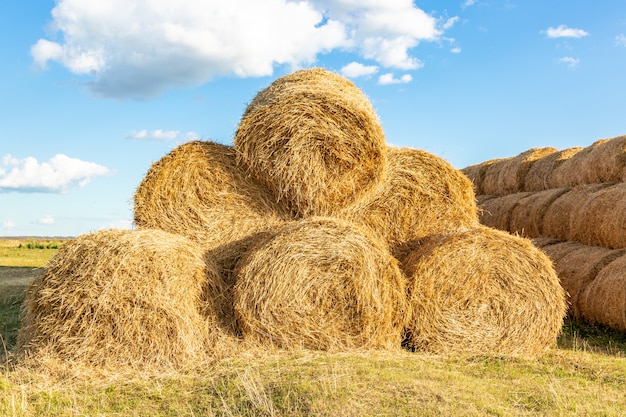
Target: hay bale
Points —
{"points": [[577, 265], [539, 176], [482, 291], [573, 171], [124, 298], [198, 191], [421, 195], [321, 284], [599, 218], [526, 217], [507, 176], [313, 138], [496, 212], [606, 162], [604, 300], [476, 174]]}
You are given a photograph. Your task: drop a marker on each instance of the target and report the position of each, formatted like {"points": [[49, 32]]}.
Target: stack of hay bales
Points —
{"points": [[572, 202], [309, 232]]}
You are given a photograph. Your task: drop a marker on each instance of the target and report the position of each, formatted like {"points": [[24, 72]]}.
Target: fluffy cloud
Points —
{"points": [[46, 220], [570, 61], [387, 79], [468, 3], [159, 134], [565, 32], [143, 47], [55, 176], [455, 50], [356, 69], [620, 40], [8, 225]]}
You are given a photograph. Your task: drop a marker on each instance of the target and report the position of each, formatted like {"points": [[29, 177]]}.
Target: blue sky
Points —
{"points": [[93, 92]]}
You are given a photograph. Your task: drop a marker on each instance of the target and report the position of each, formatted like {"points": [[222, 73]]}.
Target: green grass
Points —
{"points": [[28, 253], [585, 374]]}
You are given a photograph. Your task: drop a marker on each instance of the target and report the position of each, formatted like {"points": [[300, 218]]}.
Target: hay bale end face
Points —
{"points": [[320, 284], [124, 298], [313, 138], [483, 291], [420, 195], [198, 191]]}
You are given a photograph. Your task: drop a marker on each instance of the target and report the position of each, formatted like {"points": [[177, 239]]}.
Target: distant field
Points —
{"points": [[28, 252]]}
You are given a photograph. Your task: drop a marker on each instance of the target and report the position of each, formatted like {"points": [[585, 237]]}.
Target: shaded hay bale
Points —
{"points": [[313, 138], [507, 175], [526, 217], [198, 191], [539, 176], [496, 212], [483, 291], [577, 266], [421, 195], [604, 299], [124, 298], [320, 284], [476, 174]]}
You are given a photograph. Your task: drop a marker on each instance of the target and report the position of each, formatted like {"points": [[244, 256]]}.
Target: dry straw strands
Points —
{"points": [[420, 195], [539, 177], [495, 211], [476, 174], [526, 217], [198, 191], [507, 175], [313, 138], [483, 291], [320, 284], [604, 300], [577, 265], [124, 298]]}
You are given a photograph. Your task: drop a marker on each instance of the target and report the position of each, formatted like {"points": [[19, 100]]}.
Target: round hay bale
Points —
{"points": [[573, 171], [124, 298], [482, 291], [476, 174], [313, 138], [198, 191], [320, 284], [539, 176], [599, 218], [604, 299], [577, 265], [496, 212], [606, 162], [421, 195], [527, 215]]}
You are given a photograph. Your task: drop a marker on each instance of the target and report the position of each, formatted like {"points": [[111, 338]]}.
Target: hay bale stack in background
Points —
{"points": [[604, 299], [476, 174], [483, 291], [495, 211], [539, 177], [507, 175], [526, 217], [122, 297], [198, 191], [577, 265], [420, 195], [313, 138], [323, 284]]}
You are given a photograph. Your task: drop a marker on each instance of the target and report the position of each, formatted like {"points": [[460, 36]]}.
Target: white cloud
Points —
{"points": [[387, 79], [57, 175], [356, 69], [142, 48], [450, 22], [620, 40], [565, 32], [120, 224], [159, 134], [468, 3], [455, 50], [569, 61], [46, 220], [8, 225]]}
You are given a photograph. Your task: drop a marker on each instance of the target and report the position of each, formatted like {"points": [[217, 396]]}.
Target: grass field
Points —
{"points": [[585, 374]]}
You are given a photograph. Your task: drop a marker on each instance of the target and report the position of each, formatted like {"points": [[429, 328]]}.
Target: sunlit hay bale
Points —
{"points": [[539, 176], [313, 138], [600, 217], [573, 171], [527, 215], [421, 195], [124, 298], [198, 191], [482, 291], [604, 299], [476, 174], [577, 265], [321, 284], [607, 162], [496, 212]]}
